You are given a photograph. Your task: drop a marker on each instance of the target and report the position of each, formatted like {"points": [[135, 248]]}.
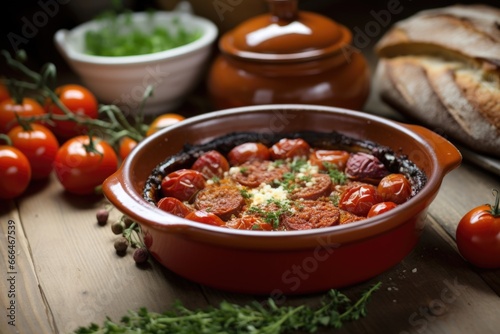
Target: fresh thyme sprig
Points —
{"points": [[254, 318]]}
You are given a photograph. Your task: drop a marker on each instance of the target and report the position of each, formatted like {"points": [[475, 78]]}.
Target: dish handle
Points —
{"points": [[448, 156], [128, 202]]}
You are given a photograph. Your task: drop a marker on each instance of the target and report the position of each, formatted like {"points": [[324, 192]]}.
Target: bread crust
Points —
{"points": [[441, 67]]}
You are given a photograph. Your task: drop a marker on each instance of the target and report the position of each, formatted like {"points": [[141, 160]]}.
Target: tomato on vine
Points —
{"points": [[10, 107], [126, 146], [78, 100], [83, 163], [15, 172], [478, 235], [4, 92], [163, 121], [39, 145]]}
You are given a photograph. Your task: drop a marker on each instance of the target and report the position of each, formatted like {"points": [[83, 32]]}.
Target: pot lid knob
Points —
{"points": [[285, 34]]}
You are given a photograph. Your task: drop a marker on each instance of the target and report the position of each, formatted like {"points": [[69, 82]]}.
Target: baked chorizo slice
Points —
{"points": [[251, 174], [312, 188], [222, 200], [311, 214], [346, 217]]}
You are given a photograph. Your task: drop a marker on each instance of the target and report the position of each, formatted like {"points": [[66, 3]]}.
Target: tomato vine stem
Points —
{"points": [[495, 209], [115, 127]]}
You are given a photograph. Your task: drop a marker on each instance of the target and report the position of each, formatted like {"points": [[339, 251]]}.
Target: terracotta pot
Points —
{"points": [[278, 262], [288, 56]]}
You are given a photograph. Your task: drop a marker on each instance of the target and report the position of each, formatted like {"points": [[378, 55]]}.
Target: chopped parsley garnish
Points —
{"points": [[297, 164], [245, 193], [337, 176], [119, 36], [273, 216]]}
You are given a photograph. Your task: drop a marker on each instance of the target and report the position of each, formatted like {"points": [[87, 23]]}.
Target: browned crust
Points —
{"points": [[442, 68]]}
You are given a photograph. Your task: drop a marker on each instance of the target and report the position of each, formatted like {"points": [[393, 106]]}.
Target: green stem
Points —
{"points": [[117, 126], [361, 301], [495, 209], [6, 138], [21, 67]]}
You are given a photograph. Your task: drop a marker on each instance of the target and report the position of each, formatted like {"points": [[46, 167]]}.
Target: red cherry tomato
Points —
{"points": [[478, 235], [39, 145], [334, 157], [359, 199], [380, 208], [211, 164], [163, 121], [80, 101], [394, 188], [126, 146], [15, 172], [174, 206], [4, 92], [81, 170], [182, 184], [205, 218], [289, 149], [248, 152], [9, 108]]}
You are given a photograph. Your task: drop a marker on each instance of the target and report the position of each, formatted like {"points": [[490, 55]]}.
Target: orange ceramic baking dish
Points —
{"points": [[282, 262]]}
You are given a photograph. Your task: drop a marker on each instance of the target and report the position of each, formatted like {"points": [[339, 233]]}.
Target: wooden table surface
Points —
{"points": [[65, 272]]}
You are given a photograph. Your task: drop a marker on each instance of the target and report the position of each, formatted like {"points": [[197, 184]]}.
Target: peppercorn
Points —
{"points": [[141, 255], [118, 227], [121, 245], [102, 216], [127, 221]]}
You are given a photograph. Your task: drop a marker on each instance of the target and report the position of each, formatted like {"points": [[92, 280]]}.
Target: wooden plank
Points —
{"points": [[433, 290], [24, 309], [83, 278], [462, 190]]}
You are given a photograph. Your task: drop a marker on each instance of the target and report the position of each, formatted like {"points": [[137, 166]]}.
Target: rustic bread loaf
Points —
{"points": [[441, 67]]}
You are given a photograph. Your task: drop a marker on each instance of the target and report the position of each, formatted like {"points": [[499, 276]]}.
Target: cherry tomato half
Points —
{"points": [[249, 223], [205, 218], [380, 208], [163, 121], [478, 235], [39, 145], [394, 188], [289, 149], [9, 108], [248, 152], [359, 199], [211, 164], [182, 184], [334, 157], [80, 170], [174, 206], [80, 101], [15, 172]]}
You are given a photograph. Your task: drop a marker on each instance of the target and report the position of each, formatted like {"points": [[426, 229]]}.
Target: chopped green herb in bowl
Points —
{"points": [[119, 56], [118, 36]]}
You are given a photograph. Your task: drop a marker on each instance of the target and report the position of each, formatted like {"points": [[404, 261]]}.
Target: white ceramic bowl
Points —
{"points": [[123, 80]]}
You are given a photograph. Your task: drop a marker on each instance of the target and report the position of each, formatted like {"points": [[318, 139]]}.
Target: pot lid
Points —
{"points": [[285, 34]]}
